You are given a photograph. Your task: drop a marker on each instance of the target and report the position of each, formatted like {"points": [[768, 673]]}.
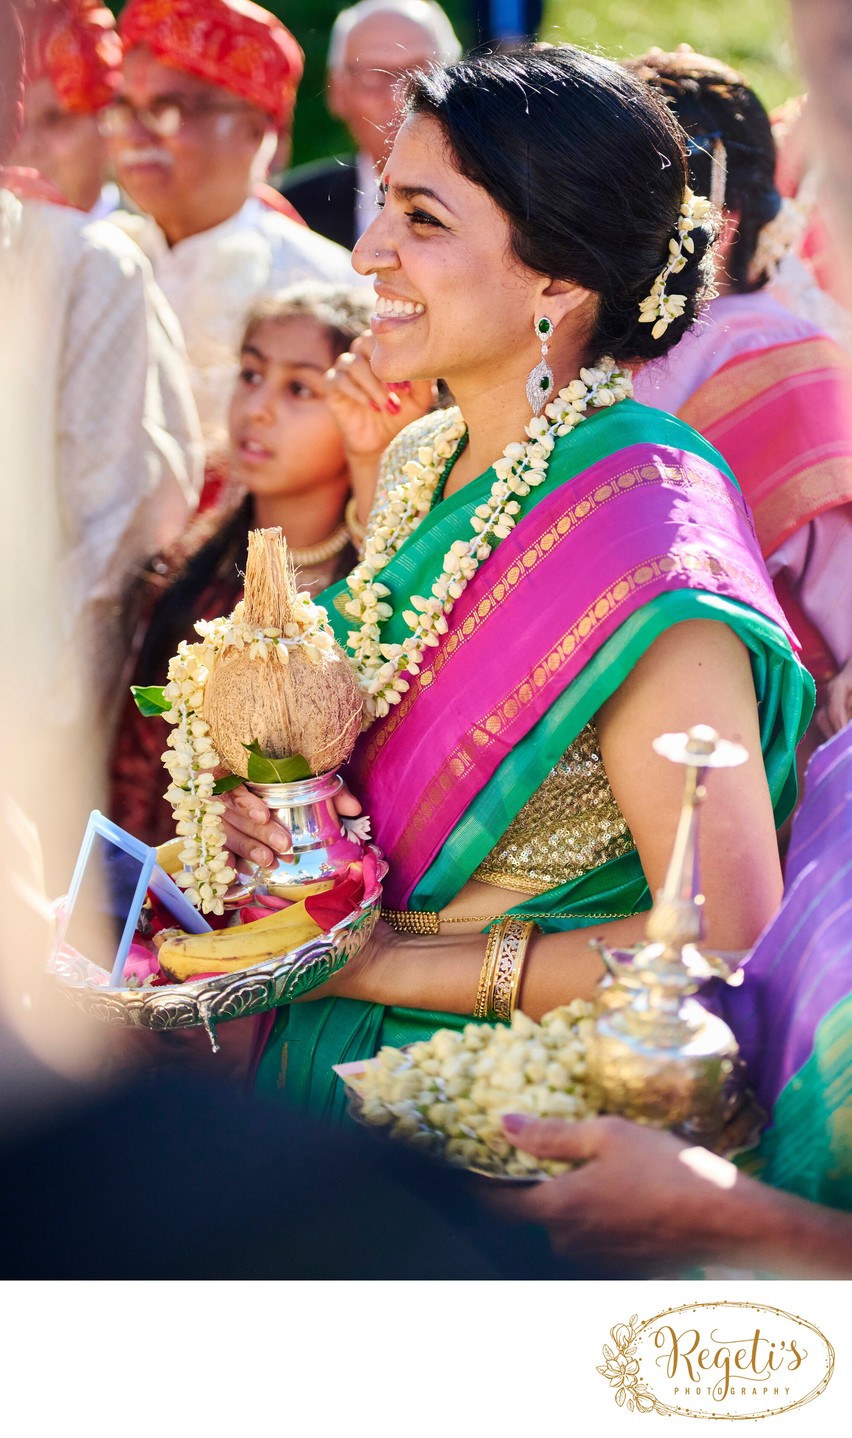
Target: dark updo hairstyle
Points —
{"points": [[713, 103], [590, 169]]}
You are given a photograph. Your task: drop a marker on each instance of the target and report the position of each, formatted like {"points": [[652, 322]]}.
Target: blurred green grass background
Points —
{"points": [[751, 35]]}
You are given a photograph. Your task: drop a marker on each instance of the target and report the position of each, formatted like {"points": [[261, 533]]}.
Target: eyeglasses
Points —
{"points": [[374, 80], [164, 118]]}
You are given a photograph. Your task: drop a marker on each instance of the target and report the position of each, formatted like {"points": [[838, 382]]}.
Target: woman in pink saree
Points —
{"points": [[759, 379], [598, 584]]}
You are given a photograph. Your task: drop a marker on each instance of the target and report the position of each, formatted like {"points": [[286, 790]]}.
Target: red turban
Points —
{"points": [[231, 43], [74, 44]]}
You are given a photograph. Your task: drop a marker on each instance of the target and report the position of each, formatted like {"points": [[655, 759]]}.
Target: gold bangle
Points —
{"points": [[502, 967], [520, 960], [357, 531], [483, 993], [508, 968]]}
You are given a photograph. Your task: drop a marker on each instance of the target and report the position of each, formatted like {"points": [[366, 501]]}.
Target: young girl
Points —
{"points": [[287, 452]]}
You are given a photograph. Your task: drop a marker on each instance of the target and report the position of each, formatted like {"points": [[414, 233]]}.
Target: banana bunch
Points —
{"points": [[225, 951]]}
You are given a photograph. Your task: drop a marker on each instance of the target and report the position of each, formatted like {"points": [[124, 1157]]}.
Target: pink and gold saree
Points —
{"points": [[638, 526]]}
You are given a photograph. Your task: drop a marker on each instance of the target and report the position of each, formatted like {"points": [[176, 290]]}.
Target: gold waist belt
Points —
{"points": [[423, 921], [412, 921]]}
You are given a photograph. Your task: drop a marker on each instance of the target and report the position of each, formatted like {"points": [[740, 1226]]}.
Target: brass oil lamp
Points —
{"points": [[656, 1055]]}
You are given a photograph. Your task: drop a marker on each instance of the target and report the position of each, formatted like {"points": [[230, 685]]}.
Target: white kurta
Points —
{"points": [[108, 200], [211, 279], [100, 442]]}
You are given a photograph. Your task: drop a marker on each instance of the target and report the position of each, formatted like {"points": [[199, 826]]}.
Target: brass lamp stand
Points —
{"points": [[656, 1055]]}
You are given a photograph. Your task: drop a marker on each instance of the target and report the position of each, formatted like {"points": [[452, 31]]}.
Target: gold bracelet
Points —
{"points": [[357, 531], [483, 993], [411, 921], [508, 968]]}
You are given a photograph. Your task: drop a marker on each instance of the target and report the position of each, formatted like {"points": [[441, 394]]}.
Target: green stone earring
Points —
{"points": [[540, 379]]}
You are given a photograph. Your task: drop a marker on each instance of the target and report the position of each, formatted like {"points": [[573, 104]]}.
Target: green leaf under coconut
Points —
{"points": [[149, 699], [274, 771], [227, 781]]}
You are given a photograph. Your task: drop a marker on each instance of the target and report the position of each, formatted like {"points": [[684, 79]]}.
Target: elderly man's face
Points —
{"points": [[66, 148], [363, 92], [182, 148]]}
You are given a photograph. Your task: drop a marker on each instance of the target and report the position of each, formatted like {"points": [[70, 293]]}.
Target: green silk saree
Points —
{"points": [[639, 525]]}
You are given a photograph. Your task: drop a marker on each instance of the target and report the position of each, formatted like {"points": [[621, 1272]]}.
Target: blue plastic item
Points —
{"points": [[111, 877]]}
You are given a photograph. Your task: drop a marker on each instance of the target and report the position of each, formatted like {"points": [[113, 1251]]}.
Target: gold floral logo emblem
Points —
{"points": [[717, 1360], [621, 1367]]}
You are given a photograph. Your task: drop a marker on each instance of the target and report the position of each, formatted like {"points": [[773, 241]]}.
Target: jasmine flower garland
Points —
{"points": [[191, 757], [381, 668]]}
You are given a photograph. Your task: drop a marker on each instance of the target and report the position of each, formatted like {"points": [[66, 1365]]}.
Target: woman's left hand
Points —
{"points": [[362, 975]]}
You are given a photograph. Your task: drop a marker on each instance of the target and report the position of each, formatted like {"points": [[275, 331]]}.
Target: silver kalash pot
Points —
{"points": [[323, 847], [656, 1055]]}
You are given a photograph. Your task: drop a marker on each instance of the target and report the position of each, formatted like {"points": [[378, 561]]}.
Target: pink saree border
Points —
{"points": [[650, 519], [782, 418]]}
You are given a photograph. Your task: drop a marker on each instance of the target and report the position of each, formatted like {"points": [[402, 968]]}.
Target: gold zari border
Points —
{"points": [[491, 726], [740, 382]]}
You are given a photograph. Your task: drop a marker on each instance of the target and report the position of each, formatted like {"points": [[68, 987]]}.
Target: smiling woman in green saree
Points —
{"points": [[538, 599]]}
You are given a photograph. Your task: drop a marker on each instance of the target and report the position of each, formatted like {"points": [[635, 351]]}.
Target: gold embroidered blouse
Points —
{"points": [[571, 824]]}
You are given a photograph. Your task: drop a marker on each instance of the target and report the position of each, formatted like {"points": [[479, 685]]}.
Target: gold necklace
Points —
{"points": [[319, 553]]}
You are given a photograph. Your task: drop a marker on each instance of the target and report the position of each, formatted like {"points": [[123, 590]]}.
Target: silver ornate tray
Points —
{"points": [[207, 1002]]}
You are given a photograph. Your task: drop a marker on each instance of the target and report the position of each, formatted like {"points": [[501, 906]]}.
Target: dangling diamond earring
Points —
{"points": [[540, 380]]}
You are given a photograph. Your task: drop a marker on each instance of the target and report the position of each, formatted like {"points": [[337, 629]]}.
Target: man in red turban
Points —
{"points": [[232, 44], [73, 60], [207, 85]]}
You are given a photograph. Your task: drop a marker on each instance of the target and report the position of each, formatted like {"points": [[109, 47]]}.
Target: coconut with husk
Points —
{"points": [[290, 689]]}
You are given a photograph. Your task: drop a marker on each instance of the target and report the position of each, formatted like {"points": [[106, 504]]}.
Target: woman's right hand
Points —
{"points": [[369, 412], [251, 832]]}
